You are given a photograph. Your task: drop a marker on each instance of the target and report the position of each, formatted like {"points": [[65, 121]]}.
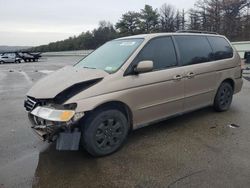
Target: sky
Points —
{"points": [[37, 22]]}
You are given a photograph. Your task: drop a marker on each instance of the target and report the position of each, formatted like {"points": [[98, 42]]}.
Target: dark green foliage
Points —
{"points": [[149, 19], [129, 23], [88, 40]]}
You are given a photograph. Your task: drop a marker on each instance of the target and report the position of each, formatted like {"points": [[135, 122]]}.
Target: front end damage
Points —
{"points": [[52, 122], [52, 118]]}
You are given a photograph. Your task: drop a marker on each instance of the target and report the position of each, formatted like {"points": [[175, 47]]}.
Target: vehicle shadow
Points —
{"points": [[147, 158]]}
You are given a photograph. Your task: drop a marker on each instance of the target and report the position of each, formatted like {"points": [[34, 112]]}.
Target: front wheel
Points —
{"points": [[104, 131], [224, 97]]}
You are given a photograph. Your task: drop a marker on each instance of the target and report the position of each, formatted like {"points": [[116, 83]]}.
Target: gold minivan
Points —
{"points": [[132, 82]]}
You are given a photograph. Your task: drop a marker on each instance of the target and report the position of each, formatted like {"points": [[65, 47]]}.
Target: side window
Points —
{"points": [[193, 49], [6, 55], [221, 48], [161, 51]]}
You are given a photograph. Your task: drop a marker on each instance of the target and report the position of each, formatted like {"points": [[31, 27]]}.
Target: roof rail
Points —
{"points": [[196, 31]]}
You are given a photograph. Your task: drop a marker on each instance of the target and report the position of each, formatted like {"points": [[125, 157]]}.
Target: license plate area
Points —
{"points": [[68, 141]]}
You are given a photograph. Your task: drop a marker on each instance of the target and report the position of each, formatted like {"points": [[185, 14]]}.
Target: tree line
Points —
{"points": [[227, 17]]}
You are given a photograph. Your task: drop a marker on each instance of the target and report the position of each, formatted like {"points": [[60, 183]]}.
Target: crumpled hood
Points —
{"points": [[53, 84]]}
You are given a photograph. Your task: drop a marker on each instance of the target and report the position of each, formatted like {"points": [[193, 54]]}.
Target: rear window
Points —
{"points": [[193, 49], [221, 48]]}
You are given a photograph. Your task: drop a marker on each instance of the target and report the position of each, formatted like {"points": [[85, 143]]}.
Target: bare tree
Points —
{"points": [[194, 20], [183, 20], [228, 17], [232, 19], [167, 18]]}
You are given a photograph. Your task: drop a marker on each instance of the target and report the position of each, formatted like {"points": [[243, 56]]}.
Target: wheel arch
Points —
{"points": [[230, 81], [124, 108]]}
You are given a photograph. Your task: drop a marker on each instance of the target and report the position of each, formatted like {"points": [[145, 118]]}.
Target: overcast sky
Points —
{"points": [[36, 22]]}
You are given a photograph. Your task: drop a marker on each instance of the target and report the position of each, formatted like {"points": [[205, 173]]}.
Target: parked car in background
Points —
{"points": [[132, 82], [247, 57], [10, 58], [29, 57]]}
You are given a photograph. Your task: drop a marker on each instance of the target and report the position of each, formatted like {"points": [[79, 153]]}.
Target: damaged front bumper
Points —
{"points": [[56, 125], [45, 130]]}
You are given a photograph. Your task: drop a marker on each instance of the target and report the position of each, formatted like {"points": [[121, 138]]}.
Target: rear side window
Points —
{"points": [[221, 48], [161, 51], [193, 49]]}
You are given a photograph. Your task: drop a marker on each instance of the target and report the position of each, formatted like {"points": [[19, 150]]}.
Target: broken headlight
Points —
{"points": [[53, 114]]}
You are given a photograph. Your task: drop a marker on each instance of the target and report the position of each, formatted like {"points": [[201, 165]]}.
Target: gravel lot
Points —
{"points": [[199, 149]]}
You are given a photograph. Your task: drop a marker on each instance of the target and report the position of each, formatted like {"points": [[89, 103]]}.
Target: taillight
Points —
{"points": [[242, 67], [242, 64]]}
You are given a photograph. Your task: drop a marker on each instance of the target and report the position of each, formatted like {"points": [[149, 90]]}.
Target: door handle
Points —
{"points": [[190, 75], [177, 77]]}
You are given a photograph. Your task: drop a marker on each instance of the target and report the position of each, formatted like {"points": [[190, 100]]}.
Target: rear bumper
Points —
{"points": [[238, 85]]}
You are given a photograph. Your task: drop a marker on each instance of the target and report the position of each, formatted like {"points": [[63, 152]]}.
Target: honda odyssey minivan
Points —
{"points": [[132, 82]]}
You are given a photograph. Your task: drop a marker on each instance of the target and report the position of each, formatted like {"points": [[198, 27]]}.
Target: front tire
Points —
{"points": [[104, 131], [224, 97]]}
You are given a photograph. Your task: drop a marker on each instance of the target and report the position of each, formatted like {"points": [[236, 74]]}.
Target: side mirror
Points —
{"points": [[144, 66]]}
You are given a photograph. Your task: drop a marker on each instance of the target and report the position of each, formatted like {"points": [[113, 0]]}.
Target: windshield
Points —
{"points": [[111, 56]]}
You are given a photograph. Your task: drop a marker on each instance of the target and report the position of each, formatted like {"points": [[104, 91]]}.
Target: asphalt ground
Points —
{"points": [[200, 149]]}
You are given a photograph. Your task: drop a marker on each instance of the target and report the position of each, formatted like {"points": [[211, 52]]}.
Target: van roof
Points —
{"points": [[152, 35]]}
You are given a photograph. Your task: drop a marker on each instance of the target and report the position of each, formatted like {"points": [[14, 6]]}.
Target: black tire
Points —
{"points": [[104, 132], [224, 97], [1, 62]]}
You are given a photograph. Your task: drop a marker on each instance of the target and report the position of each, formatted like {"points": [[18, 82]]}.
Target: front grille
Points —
{"points": [[29, 104]]}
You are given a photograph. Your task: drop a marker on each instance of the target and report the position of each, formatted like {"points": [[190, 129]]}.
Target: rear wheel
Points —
{"points": [[104, 131], [1, 62], [224, 97]]}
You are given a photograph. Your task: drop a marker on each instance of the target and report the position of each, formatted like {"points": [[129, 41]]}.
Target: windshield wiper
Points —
{"points": [[96, 68], [89, 67]]}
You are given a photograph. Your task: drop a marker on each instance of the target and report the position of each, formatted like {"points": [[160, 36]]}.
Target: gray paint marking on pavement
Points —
{"points": [[46, 71], [26, 77]]}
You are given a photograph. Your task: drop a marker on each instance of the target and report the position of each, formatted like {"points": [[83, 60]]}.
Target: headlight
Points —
{"points": [[53, 114]]}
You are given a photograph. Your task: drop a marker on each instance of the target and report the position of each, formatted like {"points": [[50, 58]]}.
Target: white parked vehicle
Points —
{"points": [[10, 58]]}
